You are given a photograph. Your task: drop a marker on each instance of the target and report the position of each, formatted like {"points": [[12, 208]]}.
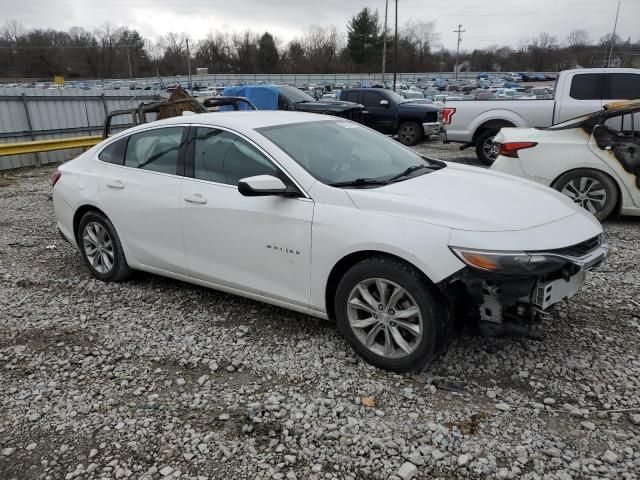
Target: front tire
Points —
{"points": [[389, 314], [101, 248], [486, 150], [592, 190], [410, 133]]}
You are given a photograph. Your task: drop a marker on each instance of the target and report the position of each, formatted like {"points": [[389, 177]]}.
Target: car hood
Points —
{"points": [[408, 107], [334, 106], [467, 198]]}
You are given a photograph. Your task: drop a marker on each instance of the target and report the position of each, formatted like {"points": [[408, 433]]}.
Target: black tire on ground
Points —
{"points": [[601, 191], [102, 228], [433, 313], [410, 133], [484, 145]]}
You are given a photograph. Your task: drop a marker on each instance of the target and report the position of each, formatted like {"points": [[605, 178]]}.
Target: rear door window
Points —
{"points": [[156, 150], [352, 96], [623, 86], [587, 86]]}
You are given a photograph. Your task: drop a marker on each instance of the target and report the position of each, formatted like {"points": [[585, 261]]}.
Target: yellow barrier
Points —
{"points": [[47, 145]]}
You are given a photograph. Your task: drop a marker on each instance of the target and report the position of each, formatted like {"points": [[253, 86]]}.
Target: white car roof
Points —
{"points": [[240, 121]]}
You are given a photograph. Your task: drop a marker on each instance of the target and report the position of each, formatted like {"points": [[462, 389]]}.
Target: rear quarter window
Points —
{"points": [[114, 152], [587, 86]]}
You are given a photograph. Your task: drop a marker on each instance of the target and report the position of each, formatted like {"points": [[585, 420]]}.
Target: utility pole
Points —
{"points": [[458, 31], [129, 62], [613, 36], [189, 66], [384, 40], [395, 51]]}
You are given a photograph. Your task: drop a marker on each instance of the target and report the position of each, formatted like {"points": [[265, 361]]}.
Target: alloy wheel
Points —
{"points": [[385, 318], [408, 133], [490, 149], [587, 192], [98, 247]]}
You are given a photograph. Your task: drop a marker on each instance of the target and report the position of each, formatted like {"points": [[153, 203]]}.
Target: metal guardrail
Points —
{"points": [[49, 145], [32, 115]]}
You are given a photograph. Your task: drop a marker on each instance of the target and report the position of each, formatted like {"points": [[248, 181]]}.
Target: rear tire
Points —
{"points": [[101, 248], [485, 149], [391, 316], [593, 190], [410, 133]]}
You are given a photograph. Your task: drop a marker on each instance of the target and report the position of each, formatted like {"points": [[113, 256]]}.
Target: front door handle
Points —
{"points": [[115, 184], [195, 198]]}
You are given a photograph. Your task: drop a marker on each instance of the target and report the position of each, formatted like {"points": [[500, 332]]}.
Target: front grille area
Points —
{"points": [[354, 115], [579, 249]]}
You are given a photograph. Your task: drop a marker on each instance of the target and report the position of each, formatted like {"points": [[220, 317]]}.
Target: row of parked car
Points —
{"points": [[484, 80]]}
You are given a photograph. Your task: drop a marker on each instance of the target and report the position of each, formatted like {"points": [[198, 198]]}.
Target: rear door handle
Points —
{"points": [[195, 198], [115, 184]]}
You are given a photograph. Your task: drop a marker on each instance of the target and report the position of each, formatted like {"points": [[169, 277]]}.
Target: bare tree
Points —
{"points": [[214, 52], [321, 46], [423, 35], [174, 53], [578, 39], [244, 47], [107, 41], [12, 32], [541, 49]]}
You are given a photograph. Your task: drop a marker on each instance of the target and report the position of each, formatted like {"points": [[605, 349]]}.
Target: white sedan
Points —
{"points": [[327, 217], [593, 159]]}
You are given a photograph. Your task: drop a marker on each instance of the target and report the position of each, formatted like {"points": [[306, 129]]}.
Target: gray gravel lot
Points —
{"points": [[155, 378]]}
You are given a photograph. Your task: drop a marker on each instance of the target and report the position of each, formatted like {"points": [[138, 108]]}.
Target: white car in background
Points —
{"points": [[327, 217], [593, 159]]}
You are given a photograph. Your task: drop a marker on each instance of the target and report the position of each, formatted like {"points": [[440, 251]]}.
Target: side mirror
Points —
{"points": [[262, 186], [384, 103]]}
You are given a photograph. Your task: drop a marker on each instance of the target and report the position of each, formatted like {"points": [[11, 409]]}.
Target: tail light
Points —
{"points": [[510, 149], [447, 115], [55, 176]]}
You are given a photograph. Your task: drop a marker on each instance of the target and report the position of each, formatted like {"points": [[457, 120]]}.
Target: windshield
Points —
{"points": [[294, 94], [337, 152]]}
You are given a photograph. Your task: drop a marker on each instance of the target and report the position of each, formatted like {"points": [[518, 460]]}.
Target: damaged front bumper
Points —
{"points": [[432, 128], [499, 297]]}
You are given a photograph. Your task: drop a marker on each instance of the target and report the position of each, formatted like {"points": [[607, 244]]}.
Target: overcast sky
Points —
{"points": [[486, 22]]}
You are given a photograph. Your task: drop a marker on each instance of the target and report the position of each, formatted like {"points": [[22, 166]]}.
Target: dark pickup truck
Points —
{"points": [[388, 112]]}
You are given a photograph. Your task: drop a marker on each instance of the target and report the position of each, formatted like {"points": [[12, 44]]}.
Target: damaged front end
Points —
{"points": [[507, 292]]}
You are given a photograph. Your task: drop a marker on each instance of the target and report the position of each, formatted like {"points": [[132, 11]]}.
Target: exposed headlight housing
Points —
{"points": [[509, 263]]}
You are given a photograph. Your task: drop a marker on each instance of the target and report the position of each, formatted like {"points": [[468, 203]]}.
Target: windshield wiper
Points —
{"points": [[409, 171], [360, 182], [433, 163]]}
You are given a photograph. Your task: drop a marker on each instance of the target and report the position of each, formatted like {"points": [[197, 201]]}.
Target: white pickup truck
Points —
{"points": [[577, 92]]}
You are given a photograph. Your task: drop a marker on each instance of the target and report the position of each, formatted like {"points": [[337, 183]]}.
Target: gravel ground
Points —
{"points": [[155, 378]]}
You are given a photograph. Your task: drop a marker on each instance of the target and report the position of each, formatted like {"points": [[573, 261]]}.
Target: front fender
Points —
{"points": [[424, 246]]}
